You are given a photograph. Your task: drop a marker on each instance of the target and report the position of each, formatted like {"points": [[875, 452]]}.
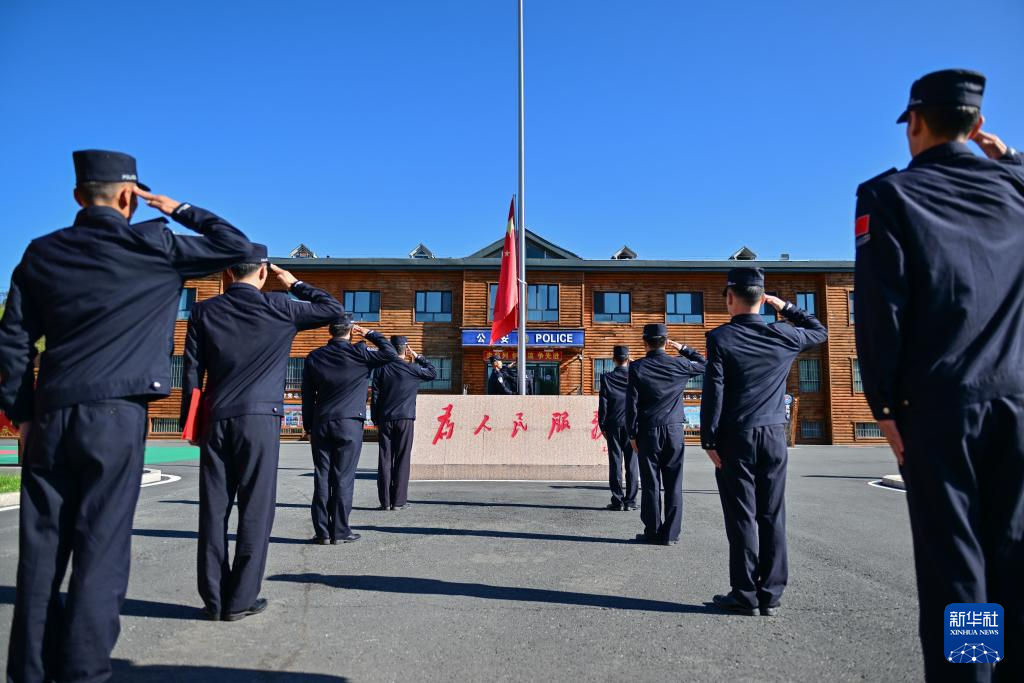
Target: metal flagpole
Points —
{"points": [[521, 223]]}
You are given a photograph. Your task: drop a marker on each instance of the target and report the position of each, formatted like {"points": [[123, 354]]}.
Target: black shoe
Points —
{"points": [[769, 610], [399, 507], [644, 538], [731, 604], [209, 614], [351, 538], [613, 506], [319, 540], [385, 508], [257, 607], [675, 542], [629, 506]]}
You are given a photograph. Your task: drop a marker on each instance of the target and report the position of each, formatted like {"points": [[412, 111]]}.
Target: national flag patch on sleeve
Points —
{"points": [[862, 229]]}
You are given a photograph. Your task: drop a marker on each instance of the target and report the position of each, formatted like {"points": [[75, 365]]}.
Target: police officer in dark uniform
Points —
{"points": [[335, 381], [611, 417], [940, 340], [104, 294], [501, 382], [395, 386], [743, 429], [654, 419], [236, 351]]}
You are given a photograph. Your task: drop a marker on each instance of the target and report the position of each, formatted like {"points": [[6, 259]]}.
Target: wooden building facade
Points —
{"points": [[578, 310]]}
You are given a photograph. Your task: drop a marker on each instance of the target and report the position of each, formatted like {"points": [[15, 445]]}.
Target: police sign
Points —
{"points": [[564, 338]]}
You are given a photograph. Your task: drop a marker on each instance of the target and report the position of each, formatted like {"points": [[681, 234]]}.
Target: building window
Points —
{"points": [[866, 430], [695, 382], [807, 301], [850, 299], [433, 307], [444, 375], [177, 368], [363, 305], [768, 312], [186, 300], [611, 307], [858, 383], [810, 375], [811, 429], [164, 425], [542, 302], [601, 366], [684, 308], [293, 380]]}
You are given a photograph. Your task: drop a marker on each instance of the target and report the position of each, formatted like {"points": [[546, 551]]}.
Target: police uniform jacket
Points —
{"points": [[611, 400], [105, 295], [748, 364], [336, 378], [501, 382], [395, 388], [654, 392], [240, 342], [939, 281]]}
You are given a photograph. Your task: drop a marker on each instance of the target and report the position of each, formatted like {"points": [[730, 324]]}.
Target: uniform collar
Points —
{"points": [[99, 216], [243, 288], [946, 149], [338, 341], [748, 318], [655, 352]]}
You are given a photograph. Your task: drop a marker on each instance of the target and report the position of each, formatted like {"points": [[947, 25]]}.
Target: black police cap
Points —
{"points": [[492, 359], [950, 87], [344, 319], [744, 277], [104, 166], [258, 254], [655, 330], [620, 352], [398, 340]]}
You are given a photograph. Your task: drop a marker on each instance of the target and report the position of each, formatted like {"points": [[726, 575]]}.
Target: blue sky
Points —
{"points": [[682, 129]]}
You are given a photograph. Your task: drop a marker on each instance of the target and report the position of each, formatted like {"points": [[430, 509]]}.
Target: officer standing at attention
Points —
{"points": [[743, 429], [611, 417], [335, 381], [654, 418], [236, 351], [104, 293], [500, 383], [394, 412], [940, 339]]}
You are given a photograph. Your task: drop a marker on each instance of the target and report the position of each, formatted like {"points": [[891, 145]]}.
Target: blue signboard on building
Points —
{"points": [[557, 338]]}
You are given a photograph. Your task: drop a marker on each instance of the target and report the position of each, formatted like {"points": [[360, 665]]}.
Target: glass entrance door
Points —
{"points": [[546, 378]]}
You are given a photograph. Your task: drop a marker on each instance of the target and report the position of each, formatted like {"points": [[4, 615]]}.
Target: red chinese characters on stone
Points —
{"points": [[518, 425], [445, 425], [559, 423], [595, 433], [483, 425]]}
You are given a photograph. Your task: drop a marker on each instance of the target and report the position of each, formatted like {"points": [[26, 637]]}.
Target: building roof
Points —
{"points": [[493, 250]]}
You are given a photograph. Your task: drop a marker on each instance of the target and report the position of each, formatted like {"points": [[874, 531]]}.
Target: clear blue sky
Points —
{"points": [[682, 129]]}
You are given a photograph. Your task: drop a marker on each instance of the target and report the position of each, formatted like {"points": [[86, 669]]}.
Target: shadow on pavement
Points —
{"points": [[129, 671], [131, 607], [489, 533], [415, 586], [297, 506], [831, 476], [176, 533], [464, 503]]}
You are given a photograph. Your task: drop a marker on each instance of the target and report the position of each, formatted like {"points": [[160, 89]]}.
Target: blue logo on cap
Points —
{"points": [[974, 633]]}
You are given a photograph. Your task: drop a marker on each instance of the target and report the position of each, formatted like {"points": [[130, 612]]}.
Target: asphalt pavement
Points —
{"points": [[525, 581]]}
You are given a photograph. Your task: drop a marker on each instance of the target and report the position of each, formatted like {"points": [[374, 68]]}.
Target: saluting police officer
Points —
{"points": [[940, 340], [335, 380], [743, 418], [395, 386], [654, 418], [501, 382], [104, 294], [239, 342], [611, 418]]}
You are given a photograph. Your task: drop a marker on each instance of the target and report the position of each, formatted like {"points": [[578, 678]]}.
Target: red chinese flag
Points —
{"points": [[506, 301], [190, 431]]}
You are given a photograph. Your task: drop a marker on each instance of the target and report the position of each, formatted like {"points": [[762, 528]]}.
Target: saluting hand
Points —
{"points": [[283, 276], [775, 302], [360, 329], [160, 202], [410, 353], [675, 345], [991, 145]]}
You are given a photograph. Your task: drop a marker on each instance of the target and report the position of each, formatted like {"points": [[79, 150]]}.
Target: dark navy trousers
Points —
{"points": [[394, 460], [336, 446], [661, 465], [964, 472], [752, 487], [238, 459], [620, 452], [79, 486]]}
